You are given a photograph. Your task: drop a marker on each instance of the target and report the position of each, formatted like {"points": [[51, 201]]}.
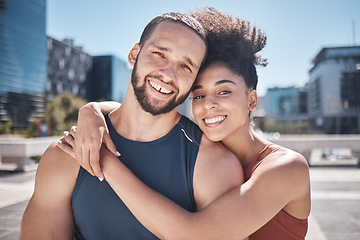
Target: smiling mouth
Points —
{"points": [[159, 88], [212, 121]]}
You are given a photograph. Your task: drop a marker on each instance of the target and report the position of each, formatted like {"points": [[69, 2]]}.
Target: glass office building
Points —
{"points": [[23, 60], [110, 79]]}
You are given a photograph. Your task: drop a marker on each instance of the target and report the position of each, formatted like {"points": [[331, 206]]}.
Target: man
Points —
{"points": [[164, 149]]}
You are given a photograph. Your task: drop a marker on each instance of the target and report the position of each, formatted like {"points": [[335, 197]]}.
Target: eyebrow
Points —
{"points": [[224, 81], [216, 84], [187, 59]]}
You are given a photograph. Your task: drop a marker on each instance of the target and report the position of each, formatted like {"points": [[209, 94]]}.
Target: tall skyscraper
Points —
{"points": [[23, 60]]}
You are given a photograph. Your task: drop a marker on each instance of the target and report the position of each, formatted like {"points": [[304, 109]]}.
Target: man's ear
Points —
{"points": [[133, 54], [253, 100]]}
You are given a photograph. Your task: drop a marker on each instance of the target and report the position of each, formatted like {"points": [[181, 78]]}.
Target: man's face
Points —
{"points": [[166, 67]]}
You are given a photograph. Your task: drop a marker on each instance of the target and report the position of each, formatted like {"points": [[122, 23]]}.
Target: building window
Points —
{"points": [[61, 63], [350, 88], [71, 74], [67, 51], [49, 43], [3, 5]]}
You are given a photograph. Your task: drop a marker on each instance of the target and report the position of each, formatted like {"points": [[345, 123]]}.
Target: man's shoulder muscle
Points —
{"points": [[217, 170], [49, 210], [57, 172]]}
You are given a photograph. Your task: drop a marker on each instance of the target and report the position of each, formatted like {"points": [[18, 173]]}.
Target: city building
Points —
{"points": [[333, 91], [259, 114], [69, 69], [23, 57], [110, 79], [286, 104]]}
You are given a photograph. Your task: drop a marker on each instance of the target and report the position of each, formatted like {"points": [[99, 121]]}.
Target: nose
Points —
{"points": [[210, 102], [168, 72]]}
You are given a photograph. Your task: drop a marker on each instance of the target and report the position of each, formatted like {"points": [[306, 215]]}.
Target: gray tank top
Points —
{"points": [[166, 165]]}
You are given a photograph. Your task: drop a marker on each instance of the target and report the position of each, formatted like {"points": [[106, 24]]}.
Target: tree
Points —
{"points": [[62, 112]]}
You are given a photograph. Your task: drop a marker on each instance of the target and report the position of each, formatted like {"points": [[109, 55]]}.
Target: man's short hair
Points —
{"points": [[181, 18]]}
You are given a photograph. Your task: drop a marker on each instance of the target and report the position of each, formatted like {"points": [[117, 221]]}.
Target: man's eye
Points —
{"points": [[186, 67], [224, 92], [159, 54]]}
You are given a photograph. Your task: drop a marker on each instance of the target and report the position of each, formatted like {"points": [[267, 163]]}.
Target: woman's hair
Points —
{"points": [[233, 42]]}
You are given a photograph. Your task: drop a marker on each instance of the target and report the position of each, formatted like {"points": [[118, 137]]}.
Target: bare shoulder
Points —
{"points": [[216, 153], [217, 170], [49, 210], [57, 166], [285, 160], [286, 169], [56, 175]]}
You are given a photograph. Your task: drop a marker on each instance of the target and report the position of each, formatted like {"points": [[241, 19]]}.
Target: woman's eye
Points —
{"points": [[198, 97]]}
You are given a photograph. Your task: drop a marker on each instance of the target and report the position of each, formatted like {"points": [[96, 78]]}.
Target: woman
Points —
{"points": [[274, 201]]}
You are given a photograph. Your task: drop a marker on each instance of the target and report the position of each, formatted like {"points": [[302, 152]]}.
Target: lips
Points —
{"points": [[160, 89], [214, 120]]}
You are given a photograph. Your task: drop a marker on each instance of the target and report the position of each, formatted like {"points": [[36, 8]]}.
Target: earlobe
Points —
{"points": [[133, 54], [252, 100]]}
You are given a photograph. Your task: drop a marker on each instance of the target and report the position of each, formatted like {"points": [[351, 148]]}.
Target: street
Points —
{"points": [[335, 203], [335, 211]]}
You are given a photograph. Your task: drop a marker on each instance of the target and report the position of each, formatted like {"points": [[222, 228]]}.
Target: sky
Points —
{"points": [[296, 30]]}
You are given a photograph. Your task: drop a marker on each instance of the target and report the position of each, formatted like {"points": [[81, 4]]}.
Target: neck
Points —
{"points": [[133, 123], [245, 144]]}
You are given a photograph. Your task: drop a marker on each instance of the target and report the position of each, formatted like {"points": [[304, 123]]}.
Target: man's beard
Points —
{"points": [[144, 101]]}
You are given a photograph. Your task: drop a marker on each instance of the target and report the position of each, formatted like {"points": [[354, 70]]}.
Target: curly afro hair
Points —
{"points": [[233, 42]]}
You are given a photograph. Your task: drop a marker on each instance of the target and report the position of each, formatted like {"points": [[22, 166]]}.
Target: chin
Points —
{"points": [[214, 137]]}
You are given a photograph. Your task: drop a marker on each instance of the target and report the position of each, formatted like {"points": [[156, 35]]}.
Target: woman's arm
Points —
{"points": [[235, 215], [91, 134], [279, 181]]}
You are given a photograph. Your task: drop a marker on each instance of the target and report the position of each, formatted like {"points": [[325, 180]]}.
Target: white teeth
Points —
{"points": [[214, 120], [159, 88]]}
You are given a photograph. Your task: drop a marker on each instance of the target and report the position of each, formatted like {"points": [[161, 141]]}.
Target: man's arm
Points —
{"points": [[49, 214]]}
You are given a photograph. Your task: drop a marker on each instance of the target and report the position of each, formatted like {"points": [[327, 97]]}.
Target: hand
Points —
{"points": [[65, 146], [68, 145], [90, 134]]}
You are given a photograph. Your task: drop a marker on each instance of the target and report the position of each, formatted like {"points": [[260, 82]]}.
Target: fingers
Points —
{"points": [[110, 144], [73, 130], [87, 148], [78, 153], [89, 158], [69, 139], [62, 144]]}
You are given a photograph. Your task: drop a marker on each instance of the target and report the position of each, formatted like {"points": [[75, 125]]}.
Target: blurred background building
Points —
{"points": [[333, 90], [328, 103], [35, 68], [110, 79], [69, 69], [23, 60], [286, 104]]}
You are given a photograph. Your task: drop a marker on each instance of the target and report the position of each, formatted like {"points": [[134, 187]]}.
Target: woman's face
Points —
{"points": [[221, 102]]}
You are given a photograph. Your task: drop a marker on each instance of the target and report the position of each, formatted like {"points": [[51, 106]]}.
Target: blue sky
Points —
{"points": [[296, 30]]}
